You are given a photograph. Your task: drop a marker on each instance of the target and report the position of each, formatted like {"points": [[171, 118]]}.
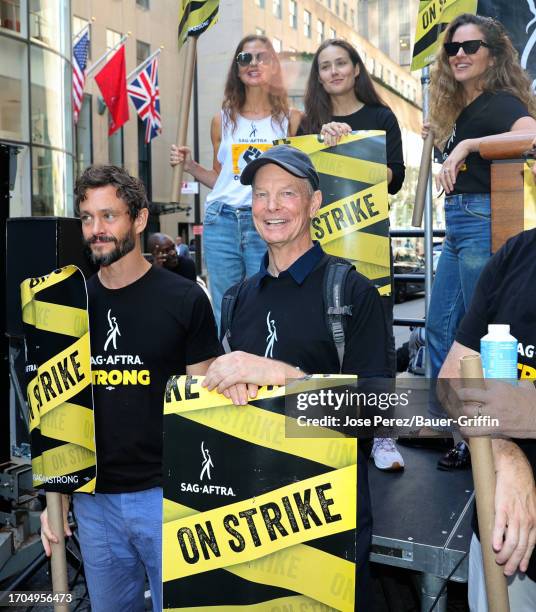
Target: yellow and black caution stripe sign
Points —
{"points": [[432, 20], [60, 399], [253, 519], [529, 184], [353, 221], [196, 16]]}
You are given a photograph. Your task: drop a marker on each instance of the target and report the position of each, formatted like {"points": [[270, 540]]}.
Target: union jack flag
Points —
{"points": [[80, 50], [145, 96]]}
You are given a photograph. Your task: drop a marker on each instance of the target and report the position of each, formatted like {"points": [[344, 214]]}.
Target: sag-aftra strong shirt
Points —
{"points": [[141, 334]]}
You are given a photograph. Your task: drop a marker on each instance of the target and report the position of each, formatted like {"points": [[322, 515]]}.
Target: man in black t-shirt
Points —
{"points": [[165, 254], [146, 324], [278, 327], [506, 294]]}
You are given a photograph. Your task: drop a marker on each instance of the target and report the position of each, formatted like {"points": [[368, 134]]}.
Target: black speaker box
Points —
{"points": [[35, 246]]}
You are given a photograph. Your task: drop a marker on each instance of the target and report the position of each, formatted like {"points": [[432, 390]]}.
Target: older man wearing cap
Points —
{"points": [[278, 327]]}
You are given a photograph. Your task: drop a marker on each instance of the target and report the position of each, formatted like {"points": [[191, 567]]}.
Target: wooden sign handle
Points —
{"points": [[484, 479]]}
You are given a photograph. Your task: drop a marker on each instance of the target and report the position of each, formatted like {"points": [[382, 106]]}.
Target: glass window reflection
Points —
{"points": [[51, 100], [52, 182], [12, 14], [13, 90], [50, 24]]}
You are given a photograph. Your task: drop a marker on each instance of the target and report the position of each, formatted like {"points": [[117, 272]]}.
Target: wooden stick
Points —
{"points": [[58, 560], [484, 478], [422, 183], [184, 114]]}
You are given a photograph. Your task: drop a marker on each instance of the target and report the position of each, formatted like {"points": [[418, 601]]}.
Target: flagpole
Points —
{"points": [[97, 63], [184, 113], [144, 63]]}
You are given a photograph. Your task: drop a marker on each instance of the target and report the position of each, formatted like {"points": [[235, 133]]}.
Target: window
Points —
{"points": [[79, 23], [84, 138], [332, 33], [307, 23], [362, 19], [143, 50], [47, 25], [319, 31], [112, 39], [277, 45], [50, 108], [144, 4], [144, 160], [13, 90], [352, 17], [383, 8], [337, 7], [345, 11], [51, 175], [328, 2], [115, 147], [259, 32], [10, 15], [292, 14], [276, 8], [405, 52], [259, 3]]}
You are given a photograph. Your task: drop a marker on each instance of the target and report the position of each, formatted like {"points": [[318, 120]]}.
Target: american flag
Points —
{"points": [[79, 72], [145, 96]]}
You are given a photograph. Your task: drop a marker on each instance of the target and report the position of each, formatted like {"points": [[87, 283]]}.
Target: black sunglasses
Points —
{"points": [[470, 47], [245, 59]]}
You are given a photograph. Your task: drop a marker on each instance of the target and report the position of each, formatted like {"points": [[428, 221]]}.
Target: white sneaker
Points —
{"points": [[386, 456]]}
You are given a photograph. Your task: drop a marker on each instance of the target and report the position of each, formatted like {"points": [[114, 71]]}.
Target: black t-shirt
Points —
{"points": [[140, 335], [185, 267], [486, 115], [506, 293], [379, 118]]}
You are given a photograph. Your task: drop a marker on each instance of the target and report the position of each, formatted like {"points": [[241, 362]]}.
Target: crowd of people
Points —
{"points": [[258, 250]]}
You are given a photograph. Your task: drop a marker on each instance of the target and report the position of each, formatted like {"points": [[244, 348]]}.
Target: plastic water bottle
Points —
{"points": [[498, 349]]}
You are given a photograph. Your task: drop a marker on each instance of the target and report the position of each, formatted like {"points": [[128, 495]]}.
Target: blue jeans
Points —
{"points": [[466, 249], [121, 540], [233, 249]]}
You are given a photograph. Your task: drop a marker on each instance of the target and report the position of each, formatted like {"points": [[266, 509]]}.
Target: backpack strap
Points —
{"points": [[228, 304], [337, 313]]}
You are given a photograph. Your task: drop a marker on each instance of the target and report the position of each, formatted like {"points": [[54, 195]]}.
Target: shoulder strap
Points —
{"points": [[228, 304], [335, 276]]}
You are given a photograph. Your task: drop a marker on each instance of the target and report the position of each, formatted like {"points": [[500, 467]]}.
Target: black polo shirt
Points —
{"points": [[284, 318]]}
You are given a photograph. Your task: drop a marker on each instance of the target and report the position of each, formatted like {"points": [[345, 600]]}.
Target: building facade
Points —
{"points": [[35, 105], [35, 84]]}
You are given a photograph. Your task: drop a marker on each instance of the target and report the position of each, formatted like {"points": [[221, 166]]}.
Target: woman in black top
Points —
{"points": [[478, 89], [340, 97]]}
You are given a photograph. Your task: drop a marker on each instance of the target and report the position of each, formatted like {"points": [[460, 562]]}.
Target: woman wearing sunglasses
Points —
{"points": [[254, 112], [340, 97], [478, 89]]}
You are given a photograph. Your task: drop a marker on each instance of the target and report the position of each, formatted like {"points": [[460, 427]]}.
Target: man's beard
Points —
{"points": [[122, 247]]}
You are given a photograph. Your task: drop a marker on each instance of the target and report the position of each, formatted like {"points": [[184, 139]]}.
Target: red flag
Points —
{"points": [[112, 82]]}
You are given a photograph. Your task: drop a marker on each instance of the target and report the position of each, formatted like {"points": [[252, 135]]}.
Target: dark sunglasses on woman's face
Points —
{"points": [[470, 47], [245, 59]]}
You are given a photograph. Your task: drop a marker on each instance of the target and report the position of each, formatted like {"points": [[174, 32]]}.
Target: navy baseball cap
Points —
{"points": [[289, 158]]}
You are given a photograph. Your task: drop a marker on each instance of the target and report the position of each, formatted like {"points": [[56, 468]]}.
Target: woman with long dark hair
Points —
{"points": [[254, 112], [478, 89], [340, 97]]}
